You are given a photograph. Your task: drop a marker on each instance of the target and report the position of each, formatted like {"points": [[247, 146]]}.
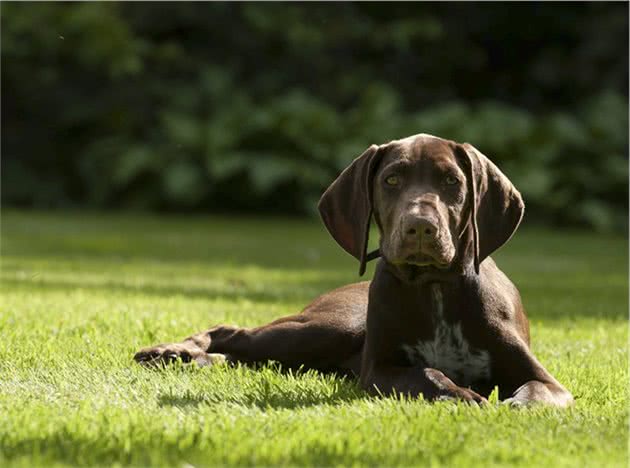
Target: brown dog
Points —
{"points": [[439, 318]]}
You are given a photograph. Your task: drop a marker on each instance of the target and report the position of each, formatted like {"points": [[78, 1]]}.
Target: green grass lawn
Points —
{"points": [[82, 292]]}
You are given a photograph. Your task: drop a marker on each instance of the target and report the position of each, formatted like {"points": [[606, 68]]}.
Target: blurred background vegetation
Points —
{"points": [[255, 107]]}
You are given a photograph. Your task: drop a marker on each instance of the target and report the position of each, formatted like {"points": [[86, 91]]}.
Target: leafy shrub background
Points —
{"points": [[256, 107]]}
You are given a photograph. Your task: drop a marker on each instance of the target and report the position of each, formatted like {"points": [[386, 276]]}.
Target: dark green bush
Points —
{"points": [[189, 106]]}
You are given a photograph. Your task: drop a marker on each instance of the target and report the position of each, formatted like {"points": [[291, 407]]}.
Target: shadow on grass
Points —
{"points": [[273, 386], [279, 400], [309, 290], [589, 300]]}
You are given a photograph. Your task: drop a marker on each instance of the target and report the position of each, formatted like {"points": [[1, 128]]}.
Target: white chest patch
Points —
{"points": [[449, 351]]}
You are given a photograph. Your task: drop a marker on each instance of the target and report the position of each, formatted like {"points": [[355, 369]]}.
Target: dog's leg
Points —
{"points": [[432, 384], [293, 341], [523, 377]]}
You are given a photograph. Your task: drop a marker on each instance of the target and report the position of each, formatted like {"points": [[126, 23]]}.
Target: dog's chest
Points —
{"points": [[448, 350]]}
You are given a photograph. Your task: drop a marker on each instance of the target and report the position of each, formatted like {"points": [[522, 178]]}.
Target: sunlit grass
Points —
{"points": [[82, 292]]}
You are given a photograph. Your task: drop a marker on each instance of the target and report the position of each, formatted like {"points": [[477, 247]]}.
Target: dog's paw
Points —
{"points": [[470, 396], [514, 403], [448, 390], [163, 354], [463, 394], [537, 393]]}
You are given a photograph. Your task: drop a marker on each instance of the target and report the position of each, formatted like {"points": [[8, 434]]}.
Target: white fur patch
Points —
{"points": [[448, 351]]}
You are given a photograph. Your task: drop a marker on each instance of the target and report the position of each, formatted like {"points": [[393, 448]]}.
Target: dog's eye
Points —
{"points": [[392, 180], [451, 180]]}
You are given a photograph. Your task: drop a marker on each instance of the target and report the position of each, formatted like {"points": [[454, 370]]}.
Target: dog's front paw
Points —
{"points": [[164, 354], [470, 396], [448, 390], [535, 392]]}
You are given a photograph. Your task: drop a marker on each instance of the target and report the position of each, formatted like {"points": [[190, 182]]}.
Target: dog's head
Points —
{"points": [[439, 205]]}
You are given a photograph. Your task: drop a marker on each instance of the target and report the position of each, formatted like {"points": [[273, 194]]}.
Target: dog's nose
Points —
{"points": [[421, 227]]}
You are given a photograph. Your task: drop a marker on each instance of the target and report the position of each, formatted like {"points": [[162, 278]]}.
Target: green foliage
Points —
{"points": [[83, 292], [258, 106]]}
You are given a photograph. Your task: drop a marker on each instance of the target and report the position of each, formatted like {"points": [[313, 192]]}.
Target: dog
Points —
{"points": [[439, 319]]}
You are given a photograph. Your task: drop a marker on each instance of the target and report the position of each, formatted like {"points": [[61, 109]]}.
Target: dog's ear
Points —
{"points": [[346, 206], [496, 206]]}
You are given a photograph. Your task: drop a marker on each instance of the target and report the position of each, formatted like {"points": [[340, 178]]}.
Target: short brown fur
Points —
{"points": [[442, 208]]}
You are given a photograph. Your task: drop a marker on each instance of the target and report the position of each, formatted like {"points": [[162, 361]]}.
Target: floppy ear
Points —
{"points": [[346, 206], [496, 206]]}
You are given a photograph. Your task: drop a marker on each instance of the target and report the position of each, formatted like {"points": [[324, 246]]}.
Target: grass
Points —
{"points": [[82, 292]]}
